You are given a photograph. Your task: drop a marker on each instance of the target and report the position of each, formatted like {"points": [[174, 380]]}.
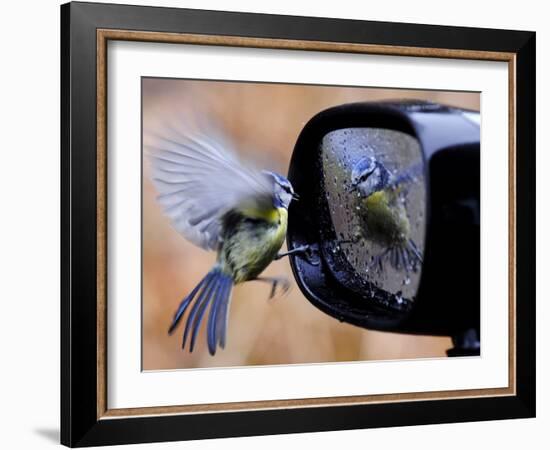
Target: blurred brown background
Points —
{"points": [[264, 121]]}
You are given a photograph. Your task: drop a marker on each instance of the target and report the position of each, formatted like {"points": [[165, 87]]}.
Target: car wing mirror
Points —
{"points": [[389, 207]]}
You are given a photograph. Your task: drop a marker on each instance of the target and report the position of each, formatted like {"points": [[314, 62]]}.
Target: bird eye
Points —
{"points": [[357, 180], [365, 175]]}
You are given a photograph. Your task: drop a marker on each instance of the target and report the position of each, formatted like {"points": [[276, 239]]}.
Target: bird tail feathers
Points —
{"points": [[213, 290], [405, 257]]}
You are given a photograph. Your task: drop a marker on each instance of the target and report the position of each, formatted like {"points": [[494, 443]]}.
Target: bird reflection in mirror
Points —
{"points": [[380, 203]]}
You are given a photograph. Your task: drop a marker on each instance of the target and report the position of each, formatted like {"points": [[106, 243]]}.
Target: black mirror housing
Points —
{"points": [[447, 299]]}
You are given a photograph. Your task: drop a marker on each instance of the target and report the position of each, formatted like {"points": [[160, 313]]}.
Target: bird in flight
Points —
{"points": [[223, 204]]}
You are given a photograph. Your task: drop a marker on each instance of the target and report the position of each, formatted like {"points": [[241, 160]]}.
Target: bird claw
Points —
{"points": [[276, 281], [285, 285]]}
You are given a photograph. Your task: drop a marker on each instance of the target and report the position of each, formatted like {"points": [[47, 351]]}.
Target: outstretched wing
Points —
{"points": [[199, 178], [411, 174]]}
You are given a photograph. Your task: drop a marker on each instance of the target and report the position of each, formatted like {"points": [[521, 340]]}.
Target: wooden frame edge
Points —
{"points": [[103, 35], [120, 413], [101, 225], [512, 199]]}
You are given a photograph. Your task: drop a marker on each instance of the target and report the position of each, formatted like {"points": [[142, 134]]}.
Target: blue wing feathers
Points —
{"points": [[409, 175]]}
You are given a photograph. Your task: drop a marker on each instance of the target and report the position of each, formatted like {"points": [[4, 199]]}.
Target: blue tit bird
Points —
{"points": [[382, 213], [224, 205]]}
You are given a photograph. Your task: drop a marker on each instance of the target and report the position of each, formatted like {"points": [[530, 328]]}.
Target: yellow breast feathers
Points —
{"points": [[270, 215]]}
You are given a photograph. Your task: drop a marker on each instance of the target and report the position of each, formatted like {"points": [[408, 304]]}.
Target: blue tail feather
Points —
{"points": [[217, 313], [185, 304], [214, 290], [196, 307], [414, 249], [211, 330], [404, 257], [222, 318]]}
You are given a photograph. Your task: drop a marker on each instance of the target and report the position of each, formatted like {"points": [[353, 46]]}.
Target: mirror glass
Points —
{"points": [[376, 195]]}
